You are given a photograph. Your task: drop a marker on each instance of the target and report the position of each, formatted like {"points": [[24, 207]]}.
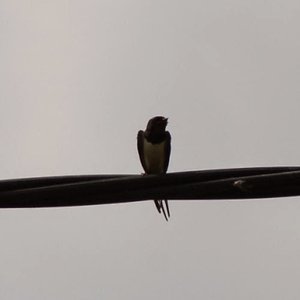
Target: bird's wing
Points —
{"points": [[167, 151], [140, 147]]}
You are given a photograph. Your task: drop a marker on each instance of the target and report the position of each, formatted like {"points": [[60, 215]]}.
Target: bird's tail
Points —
{"points": [[160, 207]]}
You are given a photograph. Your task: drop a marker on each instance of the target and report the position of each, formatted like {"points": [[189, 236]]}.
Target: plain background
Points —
{"points": [[78, 79]]}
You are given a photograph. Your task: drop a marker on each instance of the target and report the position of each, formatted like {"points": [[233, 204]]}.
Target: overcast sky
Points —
{"points": [[78, 79]]}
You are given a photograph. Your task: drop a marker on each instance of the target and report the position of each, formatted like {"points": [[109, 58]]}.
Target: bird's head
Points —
{"points": [[157, 124]]}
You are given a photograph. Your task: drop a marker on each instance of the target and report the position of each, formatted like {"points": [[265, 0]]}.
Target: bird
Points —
{"points": [[154, 148]]}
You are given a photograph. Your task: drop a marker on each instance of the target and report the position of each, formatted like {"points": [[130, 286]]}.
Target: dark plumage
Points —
{"points": [[154, 147]]}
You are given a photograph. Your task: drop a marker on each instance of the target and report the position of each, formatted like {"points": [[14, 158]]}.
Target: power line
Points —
{"points": [[240, 183]]}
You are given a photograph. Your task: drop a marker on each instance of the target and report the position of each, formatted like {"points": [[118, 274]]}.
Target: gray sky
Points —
{"points": [[78, 79]]}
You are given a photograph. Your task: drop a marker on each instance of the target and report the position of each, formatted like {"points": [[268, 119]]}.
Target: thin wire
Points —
{"points": [[241, 183]]}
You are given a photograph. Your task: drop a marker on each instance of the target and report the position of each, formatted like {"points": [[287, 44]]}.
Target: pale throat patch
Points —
{"points": [[154, 156]]}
